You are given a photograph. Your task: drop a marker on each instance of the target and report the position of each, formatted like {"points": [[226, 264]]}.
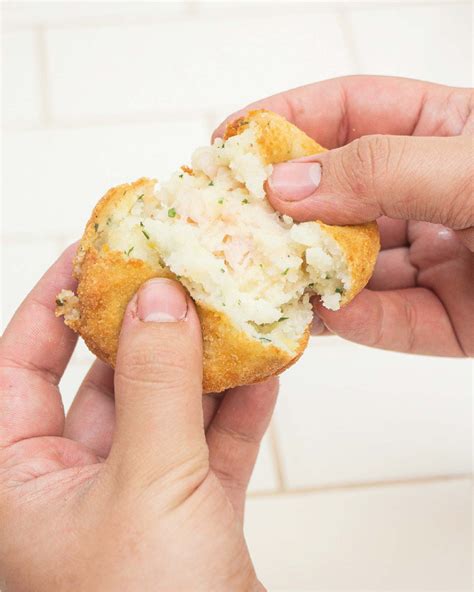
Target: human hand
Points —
{"points": [[141, 490], [416, 179]]}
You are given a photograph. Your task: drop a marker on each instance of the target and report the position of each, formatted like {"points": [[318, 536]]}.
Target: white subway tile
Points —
{"points": [[68, 170], [347, 413], [189, 65], [400, 538], [22, 265], [429, 41], [21, 91]]}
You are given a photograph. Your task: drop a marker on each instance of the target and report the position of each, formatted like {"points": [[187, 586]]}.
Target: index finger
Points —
{"points": [[337, 111], [34, 351]]}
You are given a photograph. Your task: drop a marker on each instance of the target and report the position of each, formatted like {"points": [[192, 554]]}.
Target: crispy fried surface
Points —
{"points": [[107, 280], [278, 139]]}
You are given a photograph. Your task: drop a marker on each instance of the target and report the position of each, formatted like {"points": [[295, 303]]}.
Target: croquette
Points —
{"points": [[251, 271]]}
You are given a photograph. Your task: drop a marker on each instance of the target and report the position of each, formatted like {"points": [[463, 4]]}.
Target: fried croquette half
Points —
{"points": [[250, 271]]}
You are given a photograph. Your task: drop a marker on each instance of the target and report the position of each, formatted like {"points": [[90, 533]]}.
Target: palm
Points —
{"points": [[37, 463], [31, 462]]}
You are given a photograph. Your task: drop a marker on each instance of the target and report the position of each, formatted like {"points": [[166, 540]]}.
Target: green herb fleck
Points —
{"points": [[59, 302], [245, 201], [311, 286], [282, 319], [129, 251], [171, 213], [265, 339], [327, 277], [181, 176], [96, 227], [222, 270], [145, 233], [239, 302], [339, 290], [140, 197], [178, 277], [286, 271], [223, 304], [261, 265], [109, 220], [220, 201], [211, 184], [141, 224]]}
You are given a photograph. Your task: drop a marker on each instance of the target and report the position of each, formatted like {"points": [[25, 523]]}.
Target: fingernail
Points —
{"points": [[161, 301], [293, 181]]}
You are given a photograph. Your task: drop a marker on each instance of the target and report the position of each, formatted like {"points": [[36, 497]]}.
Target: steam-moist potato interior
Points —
{"points": [[213, 227]]}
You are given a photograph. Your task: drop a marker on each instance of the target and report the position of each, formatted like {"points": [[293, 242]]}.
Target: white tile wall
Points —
{"points": [[22, 14], [98, 93], [227, 65], [68, 170], [22, 103], [351, 414], [411, 538], [429, 42]]}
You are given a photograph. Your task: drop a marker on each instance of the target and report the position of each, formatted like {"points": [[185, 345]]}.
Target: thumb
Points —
{"points": [[410, 178], [158, 383]]}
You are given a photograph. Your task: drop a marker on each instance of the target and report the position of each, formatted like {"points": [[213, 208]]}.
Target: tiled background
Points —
{"points": [[363, 479]]}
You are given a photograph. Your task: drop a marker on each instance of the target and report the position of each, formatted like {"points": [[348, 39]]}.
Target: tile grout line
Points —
{"points": [[46, 115], [338, 487], [276, 454]]}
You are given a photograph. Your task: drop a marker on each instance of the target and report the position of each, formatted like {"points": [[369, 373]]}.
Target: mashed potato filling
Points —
{"points": [[214, 229]]}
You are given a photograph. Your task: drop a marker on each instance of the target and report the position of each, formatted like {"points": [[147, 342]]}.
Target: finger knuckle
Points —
{"points": [[156, 364], [230, 480], [189, 473], [368, 161], [236, 435], [175, 480]]}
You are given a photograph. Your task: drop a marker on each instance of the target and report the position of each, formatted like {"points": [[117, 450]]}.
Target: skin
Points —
{"points": [[417, 180], [142, 485]]}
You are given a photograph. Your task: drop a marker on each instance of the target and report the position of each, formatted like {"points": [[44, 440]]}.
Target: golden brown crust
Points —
{"points": [[108, 280], [278, 139], [361, 244]]}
